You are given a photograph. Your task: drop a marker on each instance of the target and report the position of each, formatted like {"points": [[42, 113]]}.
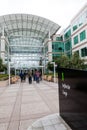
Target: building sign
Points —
{"points": [[73, 97]]}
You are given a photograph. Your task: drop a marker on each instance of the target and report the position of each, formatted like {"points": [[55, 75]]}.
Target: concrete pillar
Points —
{"points": [[3, 48], [8, 60], [3, 31], [49, 50], [44, 59]]}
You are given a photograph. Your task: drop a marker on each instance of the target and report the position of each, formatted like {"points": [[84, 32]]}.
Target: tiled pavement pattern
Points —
{"points": [[21, 104], [51, 122]]}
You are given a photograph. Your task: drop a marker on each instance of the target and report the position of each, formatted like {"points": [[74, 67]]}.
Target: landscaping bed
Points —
{"points": [[50, 77], [4, 79]]}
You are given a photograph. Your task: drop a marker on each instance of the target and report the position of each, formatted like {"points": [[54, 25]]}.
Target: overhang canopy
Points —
{"points": [[27, 25], [26, 34]]}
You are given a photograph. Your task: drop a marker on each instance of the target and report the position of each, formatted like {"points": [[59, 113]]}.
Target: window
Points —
{"points": [[67, 34], [77, 52], [68, 45], [75, 27], [84, 52], [59, 38], [53, 47], [75, 40], [82, 35], [46, 49]]}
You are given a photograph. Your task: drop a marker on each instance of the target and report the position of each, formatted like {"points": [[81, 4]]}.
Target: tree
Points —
{"points": [[50, 66], [76, 62], [2, 66], [62, 61]]}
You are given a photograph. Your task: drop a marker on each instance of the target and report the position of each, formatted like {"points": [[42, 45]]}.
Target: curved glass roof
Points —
{"points": [[26, 34]]}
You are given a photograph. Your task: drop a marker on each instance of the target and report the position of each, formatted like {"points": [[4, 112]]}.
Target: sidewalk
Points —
{"points": [[22, 104]]}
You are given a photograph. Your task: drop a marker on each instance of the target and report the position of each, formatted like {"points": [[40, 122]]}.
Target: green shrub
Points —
{"points": [[52, 74], [3, 77]]}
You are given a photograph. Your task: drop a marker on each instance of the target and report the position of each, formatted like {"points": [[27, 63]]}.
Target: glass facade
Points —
{"points": [[75, 40], [84, 52], [57, 47], [80, 20], [67, 34], [82, 35], [46, 49], [26, 35], [59, 38], [67, 42], [68, 45], [75, 26]]}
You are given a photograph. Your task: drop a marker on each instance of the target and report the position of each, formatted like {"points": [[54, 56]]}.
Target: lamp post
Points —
{"points": [[9, 73], [9, 65], [15, 67], [54, 70], [15, 71]]}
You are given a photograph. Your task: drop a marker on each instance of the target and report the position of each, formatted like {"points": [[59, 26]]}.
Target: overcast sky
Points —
{"points": [[59, 11]]}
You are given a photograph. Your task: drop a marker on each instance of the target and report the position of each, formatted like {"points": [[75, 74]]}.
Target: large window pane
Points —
{"points": [[75, 27], [82, 35], [84, 52], [68, 45], [67, 34], [75, 40]]}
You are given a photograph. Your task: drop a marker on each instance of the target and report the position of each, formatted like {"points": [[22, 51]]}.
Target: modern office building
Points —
{"points": [[79, 33], [28, 41], [23, 38], [74, 37]]}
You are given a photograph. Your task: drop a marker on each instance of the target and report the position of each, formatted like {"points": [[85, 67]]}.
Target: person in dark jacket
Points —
{"points": [[30, 78], [21, 76], [37, 76]]}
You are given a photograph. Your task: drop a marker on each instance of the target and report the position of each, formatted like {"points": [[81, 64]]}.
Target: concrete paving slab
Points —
{"points": [[22, 104]]}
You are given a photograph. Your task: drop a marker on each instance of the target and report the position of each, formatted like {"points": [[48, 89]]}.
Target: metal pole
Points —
{"points": [[8, 65], [15, 71], [8, 60], [54, 72], [44, 60], [42, 72], [9, 73]]}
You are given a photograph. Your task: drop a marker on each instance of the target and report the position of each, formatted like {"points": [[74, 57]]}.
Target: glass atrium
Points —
{"points": [[23, 37]]}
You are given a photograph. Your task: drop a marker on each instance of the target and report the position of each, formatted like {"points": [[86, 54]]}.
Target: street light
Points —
{"points": [[9, 73], [54, 65]]}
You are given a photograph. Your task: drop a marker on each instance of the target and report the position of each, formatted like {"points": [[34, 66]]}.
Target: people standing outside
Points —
{"points": [[24, 76], [34, 76], [40, 75], [21, 76], [37, 76], [30, 78]]}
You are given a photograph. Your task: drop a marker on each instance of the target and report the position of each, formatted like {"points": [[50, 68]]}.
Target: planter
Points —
{"points": [[14, 79], [49, 78], [44, 77]]}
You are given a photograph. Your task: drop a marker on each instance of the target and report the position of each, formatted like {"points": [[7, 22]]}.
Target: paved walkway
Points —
{"points": [[21, 104]]}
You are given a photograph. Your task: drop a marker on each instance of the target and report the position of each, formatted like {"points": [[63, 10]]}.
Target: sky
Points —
{"points": [[58, 11]]}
